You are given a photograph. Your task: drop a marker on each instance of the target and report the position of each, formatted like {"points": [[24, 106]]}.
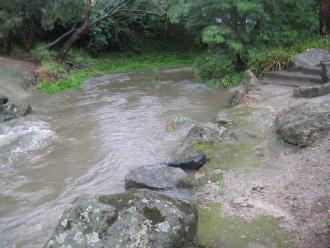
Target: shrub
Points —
{"points": [[215, 71], [277, 59]]}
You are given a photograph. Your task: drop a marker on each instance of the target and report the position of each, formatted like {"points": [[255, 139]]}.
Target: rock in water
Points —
{"points": [[156, 177], [303, 124], [310, 58], [190, 163], [137, 218], [11, 111], [251, 82], [3, 100]]}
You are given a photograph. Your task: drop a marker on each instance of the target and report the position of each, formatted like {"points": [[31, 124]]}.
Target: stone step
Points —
{"points": [[312, 70], [293, 76], [291, 83]]}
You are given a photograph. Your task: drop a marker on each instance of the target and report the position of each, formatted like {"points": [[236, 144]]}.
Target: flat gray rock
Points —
{"points": [[314, 91], [156, 177], [312, 57], [304, 123], [136, 218]]}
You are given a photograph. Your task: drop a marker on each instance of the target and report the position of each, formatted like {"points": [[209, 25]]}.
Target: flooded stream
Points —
{"points": [[86, 140]]}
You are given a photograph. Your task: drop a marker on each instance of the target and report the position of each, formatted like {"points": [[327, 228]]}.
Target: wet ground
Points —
{"points": [[257, 190]]}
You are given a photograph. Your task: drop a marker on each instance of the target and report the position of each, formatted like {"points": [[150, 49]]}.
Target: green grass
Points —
{"points": [[83, 67]]}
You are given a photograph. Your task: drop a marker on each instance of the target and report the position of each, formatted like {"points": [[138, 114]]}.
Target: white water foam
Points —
{"points": [[18, 138]]}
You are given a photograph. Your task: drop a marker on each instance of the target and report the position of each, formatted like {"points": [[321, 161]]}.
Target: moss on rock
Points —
{"points": [[217, 230]]}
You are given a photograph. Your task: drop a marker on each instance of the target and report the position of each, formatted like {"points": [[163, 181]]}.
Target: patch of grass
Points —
{"points": [[239, 115], [277, 58], [217, 230], [81, 66]]}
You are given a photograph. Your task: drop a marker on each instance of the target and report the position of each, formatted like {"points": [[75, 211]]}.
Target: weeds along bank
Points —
{"points": [[214, 70], [53, 76]]}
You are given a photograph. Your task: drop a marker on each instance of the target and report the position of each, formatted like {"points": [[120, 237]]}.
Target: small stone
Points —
{"points": [[190, 163], [223, 119], [157, 177], [3, 100]]}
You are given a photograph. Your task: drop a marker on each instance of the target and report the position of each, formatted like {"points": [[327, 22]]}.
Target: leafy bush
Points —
{"points": [[277, 58], [215, 71]]}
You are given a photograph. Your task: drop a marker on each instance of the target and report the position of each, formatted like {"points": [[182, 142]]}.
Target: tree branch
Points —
{"points": [[114, 9], [141, 11], [55, 42]]}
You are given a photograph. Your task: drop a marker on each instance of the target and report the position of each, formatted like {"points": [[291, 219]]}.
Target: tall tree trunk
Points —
{"points": [[74, 37], [324, 6], [7, 44], [29, 37]]}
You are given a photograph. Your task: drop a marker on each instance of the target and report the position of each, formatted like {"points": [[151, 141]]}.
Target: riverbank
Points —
{"points": [[53, 76], [257, 190]]}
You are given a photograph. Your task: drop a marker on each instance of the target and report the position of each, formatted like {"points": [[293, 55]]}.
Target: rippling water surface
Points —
{"points": [[86, 140]]}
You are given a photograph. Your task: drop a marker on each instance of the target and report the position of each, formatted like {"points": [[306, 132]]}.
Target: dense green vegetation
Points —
{"points": [[120, 35], [55, 77]]}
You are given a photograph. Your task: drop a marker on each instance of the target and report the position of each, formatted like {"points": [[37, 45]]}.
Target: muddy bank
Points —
{"points": [[257, 190], [16, 78]]}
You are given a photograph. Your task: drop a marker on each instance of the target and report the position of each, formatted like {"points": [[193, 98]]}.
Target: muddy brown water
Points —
{"points": [[84, 141]]}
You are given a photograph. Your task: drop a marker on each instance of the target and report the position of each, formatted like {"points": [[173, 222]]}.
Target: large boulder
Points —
{"points": [[11, 111], [310, 58], [303, 124], [137, 218], [156, 177]]}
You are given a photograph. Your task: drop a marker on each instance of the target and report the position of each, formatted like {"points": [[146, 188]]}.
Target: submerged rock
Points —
{"points": [[11, 111], [156, 177], [3, 100], [190, 163], [303, 124], [137, 218], [310, 58]]}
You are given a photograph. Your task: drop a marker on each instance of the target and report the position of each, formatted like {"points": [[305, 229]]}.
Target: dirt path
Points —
{"points": [[277, 195]]}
